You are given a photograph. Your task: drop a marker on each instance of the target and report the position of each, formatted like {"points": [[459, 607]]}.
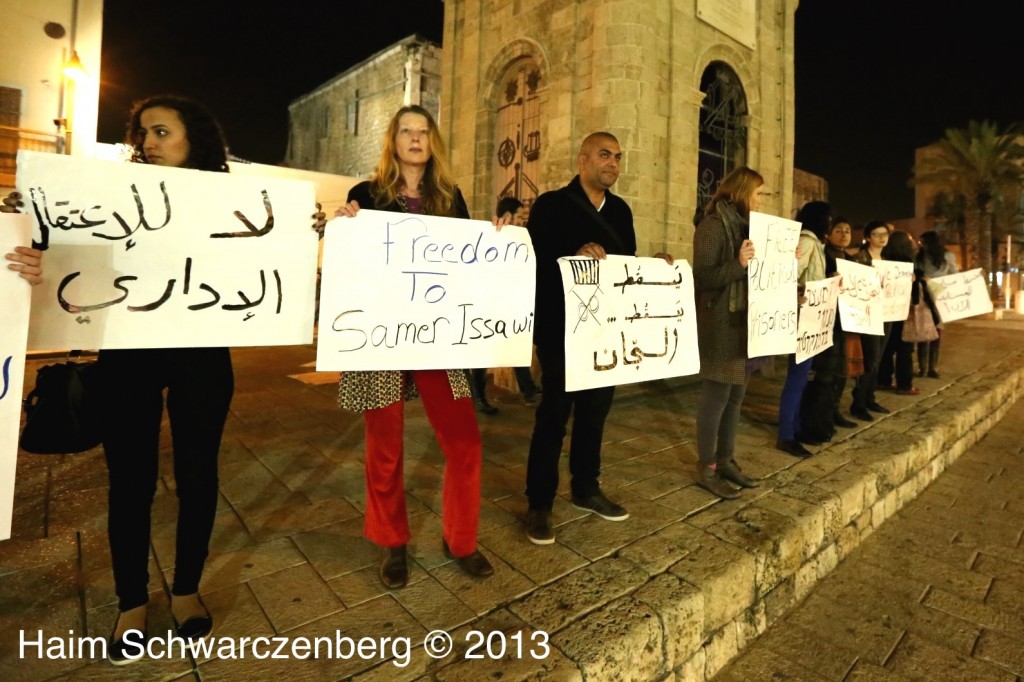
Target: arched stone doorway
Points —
{"points": [[517, 134], [723, 129]]}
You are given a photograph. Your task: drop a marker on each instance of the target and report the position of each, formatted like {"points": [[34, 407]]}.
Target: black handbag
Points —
{"points": [[61, 408]]}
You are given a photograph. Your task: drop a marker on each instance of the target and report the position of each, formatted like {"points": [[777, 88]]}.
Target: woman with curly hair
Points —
{"points": [[412, 176]]}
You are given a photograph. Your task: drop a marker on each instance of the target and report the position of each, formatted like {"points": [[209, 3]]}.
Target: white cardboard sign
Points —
{"points": [[960, 295], [897, 279], [627, 319], [772, 286], [405, 291], [143, 256], [817, 318], [15, 299], [860, 298]]}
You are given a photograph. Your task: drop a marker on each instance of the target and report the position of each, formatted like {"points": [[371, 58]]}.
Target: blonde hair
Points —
{"points": [[438, 187], [737, 187]]}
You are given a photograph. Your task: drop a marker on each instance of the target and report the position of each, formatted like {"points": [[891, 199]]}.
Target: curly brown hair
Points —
{"points": [[207, 148]]}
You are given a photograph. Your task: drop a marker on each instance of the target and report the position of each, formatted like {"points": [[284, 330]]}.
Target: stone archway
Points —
{"points": [[722, 143]]}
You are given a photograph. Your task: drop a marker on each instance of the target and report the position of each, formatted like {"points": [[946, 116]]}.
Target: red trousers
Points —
{"points": [[454, 422]]}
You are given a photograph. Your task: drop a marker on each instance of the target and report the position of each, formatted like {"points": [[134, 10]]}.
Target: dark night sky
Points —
{"points": [[874, 78]]}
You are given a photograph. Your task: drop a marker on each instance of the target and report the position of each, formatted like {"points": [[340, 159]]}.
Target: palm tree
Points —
{"points": [[949, 210], [977, 164]]}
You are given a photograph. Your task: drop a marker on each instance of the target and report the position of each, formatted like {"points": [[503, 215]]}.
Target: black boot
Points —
{"points": [[933, 359]]}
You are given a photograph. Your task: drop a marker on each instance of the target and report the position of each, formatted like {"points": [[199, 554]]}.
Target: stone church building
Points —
{"points": [[692, 88]]}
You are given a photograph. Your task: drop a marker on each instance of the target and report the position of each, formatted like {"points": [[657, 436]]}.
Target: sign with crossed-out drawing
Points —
{"points": [[627, 319]]}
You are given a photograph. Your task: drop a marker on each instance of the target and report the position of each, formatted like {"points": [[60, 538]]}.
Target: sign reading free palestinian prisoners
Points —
{"points": [[15, 230], [771, 290], [960, 295], [144, 256], [406, 291], [817, 318], [627, 319]]}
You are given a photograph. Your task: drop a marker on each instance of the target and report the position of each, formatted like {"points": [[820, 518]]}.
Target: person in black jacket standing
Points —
{"points": [[581, 219]]}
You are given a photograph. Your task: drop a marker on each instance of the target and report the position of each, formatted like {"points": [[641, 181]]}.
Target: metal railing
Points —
{"points": [[13, 139]]}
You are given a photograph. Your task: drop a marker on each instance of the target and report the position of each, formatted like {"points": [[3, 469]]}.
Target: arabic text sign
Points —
{"points": [[143, 256], [960, 295], [817, 318], [15, 230], [860, 298], [771, 290], [897, 280], [404, 291], [627, 319]]}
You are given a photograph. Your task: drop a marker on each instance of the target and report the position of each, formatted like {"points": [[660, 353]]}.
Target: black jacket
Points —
{"points": [[361, 193], [558, 227]]}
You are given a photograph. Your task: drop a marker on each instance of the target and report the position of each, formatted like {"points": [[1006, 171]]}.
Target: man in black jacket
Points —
{"points": [[581, 219]]}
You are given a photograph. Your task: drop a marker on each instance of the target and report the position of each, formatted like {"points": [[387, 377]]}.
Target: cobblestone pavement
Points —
{"points": [[288, 557], [936, 594]]}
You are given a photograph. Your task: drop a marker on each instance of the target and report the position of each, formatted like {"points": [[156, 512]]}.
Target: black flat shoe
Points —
{"points": [[394, 569], [475, 564], [842, 421], [794, 448], [196, 627], [862, 414], [875, 407], [130, 648]]}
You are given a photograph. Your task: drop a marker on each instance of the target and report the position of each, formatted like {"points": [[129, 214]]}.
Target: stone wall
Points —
{"points": [[338, 128], [632, 67]]}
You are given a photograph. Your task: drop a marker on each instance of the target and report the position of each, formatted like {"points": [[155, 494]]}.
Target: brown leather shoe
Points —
{"points": [[475, 564], [394, 569], [730, 471], [709, 479]]}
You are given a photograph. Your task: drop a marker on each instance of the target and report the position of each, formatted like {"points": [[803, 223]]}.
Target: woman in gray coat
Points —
{"points": [[721, 251]]}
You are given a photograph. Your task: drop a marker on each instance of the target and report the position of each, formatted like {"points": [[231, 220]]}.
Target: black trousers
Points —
{"points": [[199, 383], [902, 366], [591, 408], [864, 387]]}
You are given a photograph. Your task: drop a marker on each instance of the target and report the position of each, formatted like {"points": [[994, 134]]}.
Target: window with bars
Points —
{"points": [[723, 130], [517, 138]]}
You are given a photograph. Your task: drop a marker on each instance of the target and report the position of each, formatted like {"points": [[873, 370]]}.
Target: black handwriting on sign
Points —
{"points": [[253, 230], [75, 218], [638, 280], [120, 283], [6, 376]]}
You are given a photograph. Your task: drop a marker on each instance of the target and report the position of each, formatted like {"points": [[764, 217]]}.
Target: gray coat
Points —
{"points": [[723, 345]]}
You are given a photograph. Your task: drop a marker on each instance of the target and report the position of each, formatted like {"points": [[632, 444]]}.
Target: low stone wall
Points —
{"points": [[685, 600]]}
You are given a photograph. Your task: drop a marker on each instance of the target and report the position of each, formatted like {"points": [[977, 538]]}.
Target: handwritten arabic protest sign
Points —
{"points": [[143, 256], [897, 279], [403, 291], [860, 298], [960, 295], [817, 318], [627, 319], [15, 230], [771, 291]]}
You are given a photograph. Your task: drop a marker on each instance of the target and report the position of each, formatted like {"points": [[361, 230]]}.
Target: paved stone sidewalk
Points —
{"points": [[936, 594], [675, 591]]}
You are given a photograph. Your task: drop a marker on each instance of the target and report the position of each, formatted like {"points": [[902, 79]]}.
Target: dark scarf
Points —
{"points": [[736, 230]]}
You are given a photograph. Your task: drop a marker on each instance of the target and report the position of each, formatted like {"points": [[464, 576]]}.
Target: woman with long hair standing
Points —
{"points": [[933, 260], [176, 132], [413, 177], [721, 252]]}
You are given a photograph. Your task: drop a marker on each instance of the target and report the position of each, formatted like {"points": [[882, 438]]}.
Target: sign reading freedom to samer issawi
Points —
{"points": [[15, 230], [406, 291], [143, 256], [627, 319]]}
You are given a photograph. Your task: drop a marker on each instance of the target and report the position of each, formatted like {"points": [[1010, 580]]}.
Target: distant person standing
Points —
{"points": [[934, 261], [581, 219], [517, 216], [876, 236]]}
